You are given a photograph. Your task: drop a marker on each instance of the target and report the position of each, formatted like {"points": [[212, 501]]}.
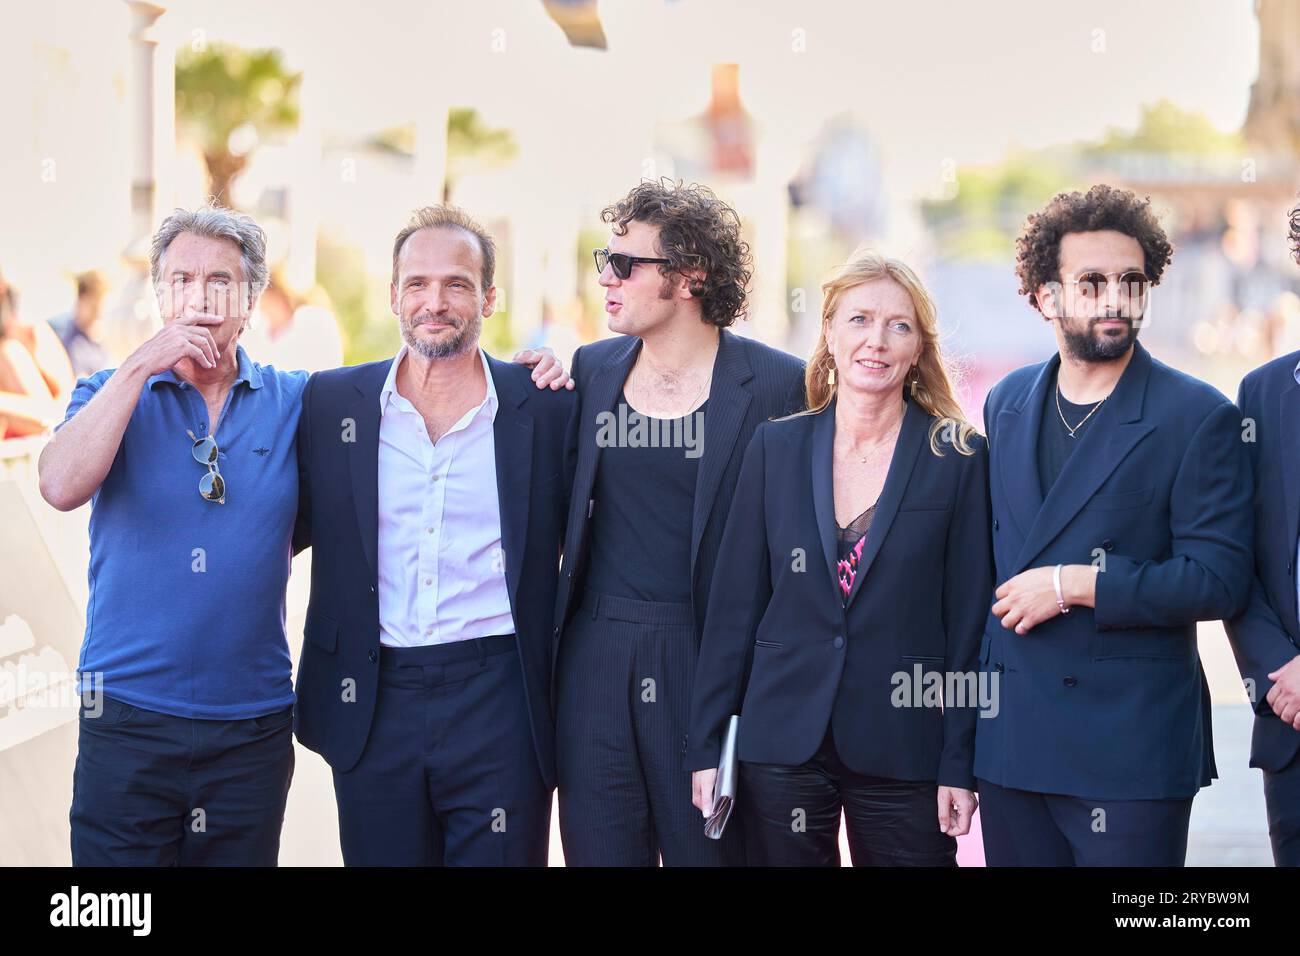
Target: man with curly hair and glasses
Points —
{"points": [[1120, 493], [1266, 637], [667, 407]]}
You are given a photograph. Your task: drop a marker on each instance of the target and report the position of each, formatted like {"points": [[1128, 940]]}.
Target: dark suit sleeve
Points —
{"points": [[571, 434], [1260, 645], [1259, 641], [797, 399], [302, 524], [1207, 577], [738, 597], [967, 594]]}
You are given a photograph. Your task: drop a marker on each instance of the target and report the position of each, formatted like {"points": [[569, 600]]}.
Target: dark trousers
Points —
{"points": [[1282, 798], [1023, 828], [792, 815], [449, 774], [150, 789], [623, 704]]}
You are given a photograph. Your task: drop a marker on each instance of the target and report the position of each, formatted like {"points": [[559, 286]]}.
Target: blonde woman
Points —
{"points": [[854, 579]]}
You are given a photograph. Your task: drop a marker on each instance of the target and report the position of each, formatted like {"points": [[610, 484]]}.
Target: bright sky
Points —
{"points": [[935, 81], [937, 84]]}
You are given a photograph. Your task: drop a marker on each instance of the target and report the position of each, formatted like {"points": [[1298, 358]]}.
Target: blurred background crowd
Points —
{"points": [[929, 130]]}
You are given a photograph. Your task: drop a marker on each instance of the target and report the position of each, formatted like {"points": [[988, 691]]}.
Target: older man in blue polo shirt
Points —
{"points": [[187, 451]]}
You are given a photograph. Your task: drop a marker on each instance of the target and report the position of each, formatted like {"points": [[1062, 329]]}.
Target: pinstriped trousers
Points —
{"points": [[623, 703]]}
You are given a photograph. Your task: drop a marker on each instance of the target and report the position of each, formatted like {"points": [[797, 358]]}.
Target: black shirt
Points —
{"points": [[645, 502], [1054, 442]]}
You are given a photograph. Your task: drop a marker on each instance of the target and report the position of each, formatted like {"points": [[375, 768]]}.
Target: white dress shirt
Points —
{"points": [[441, 565]]}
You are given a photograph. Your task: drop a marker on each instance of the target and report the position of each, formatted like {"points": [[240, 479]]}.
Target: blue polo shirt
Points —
{"points": [[186, 609]]}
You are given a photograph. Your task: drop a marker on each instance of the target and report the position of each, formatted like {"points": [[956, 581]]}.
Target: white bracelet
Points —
{"points": [[1056, 582]]}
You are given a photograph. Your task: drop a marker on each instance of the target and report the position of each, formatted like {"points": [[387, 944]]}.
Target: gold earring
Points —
{"points": [[916, 378], [830, 376]]}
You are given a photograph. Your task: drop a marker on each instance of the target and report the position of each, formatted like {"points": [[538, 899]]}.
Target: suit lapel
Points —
{"points": [[1114, 432], [1017, 450], [512, 433], [1289, 410], [728, 405], [363, 459], [823, 485], [601, 395], [911, 437]]}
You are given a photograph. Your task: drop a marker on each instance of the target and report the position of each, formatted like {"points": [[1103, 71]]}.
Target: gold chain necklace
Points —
{"points": [[893, 436]]}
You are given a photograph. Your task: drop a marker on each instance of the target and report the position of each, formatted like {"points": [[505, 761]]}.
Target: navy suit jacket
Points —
{"points": [[780, 647], [1111, 703], [339, 520], [1266, 636], [751, 383]]}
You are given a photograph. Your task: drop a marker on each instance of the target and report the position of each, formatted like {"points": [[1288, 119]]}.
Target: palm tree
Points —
{"points": [[229, 98]]}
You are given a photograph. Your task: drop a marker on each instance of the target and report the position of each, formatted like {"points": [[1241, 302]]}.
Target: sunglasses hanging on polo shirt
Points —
{"points": [[211, 486]]}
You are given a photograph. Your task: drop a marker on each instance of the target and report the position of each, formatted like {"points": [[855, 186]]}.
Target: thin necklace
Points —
{"points": [[632, 387], [893, 432], [1062, 414]]}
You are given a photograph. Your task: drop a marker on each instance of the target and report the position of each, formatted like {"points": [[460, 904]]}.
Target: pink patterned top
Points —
{"points": [[851, 541]]}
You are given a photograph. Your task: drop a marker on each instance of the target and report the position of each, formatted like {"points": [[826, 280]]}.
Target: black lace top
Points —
{"points": [[849, 542]]}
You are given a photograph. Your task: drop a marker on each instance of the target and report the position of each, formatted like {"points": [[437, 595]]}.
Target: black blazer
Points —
{"points": [[918, 603], [1266, 636], [1111, 703], [339, 519], [752, 382]]}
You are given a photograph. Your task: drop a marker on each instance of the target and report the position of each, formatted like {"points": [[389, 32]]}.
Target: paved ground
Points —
{"points": [[1228, 826]]}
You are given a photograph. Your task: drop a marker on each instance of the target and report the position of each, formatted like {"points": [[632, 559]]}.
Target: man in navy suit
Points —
{"points": [[1266, 638], [1121, 517], [433, 491]]}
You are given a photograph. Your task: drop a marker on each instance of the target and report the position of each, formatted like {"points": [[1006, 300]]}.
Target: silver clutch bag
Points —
{"points": [[724, 787]]}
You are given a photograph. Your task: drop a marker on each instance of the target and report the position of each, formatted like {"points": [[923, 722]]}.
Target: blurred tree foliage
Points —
{"points": [[1167, 130], [473, 144], [989, 205], [362, 302], [229, 99], [361, 305]]}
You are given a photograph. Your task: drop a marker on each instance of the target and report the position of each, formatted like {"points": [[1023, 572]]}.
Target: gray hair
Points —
{"points": [[215, 222]]}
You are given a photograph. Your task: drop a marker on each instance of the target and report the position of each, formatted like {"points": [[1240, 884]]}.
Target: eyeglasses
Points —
{"points": [[211, 486], [1094, 285], [622, 262]]}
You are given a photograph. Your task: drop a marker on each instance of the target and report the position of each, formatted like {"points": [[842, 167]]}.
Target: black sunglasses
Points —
{"points": [[1093, 285], [211, 486], [621, 262]]}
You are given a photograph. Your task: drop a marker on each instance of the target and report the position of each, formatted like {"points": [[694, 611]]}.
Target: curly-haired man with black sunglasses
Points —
{"points": [[667, 408]]}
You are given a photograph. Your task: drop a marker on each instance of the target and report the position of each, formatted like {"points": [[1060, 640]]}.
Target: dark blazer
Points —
{"points": [[1112, 703], [918, 601], [1266, 636], [752, 382], [339, 519]]}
